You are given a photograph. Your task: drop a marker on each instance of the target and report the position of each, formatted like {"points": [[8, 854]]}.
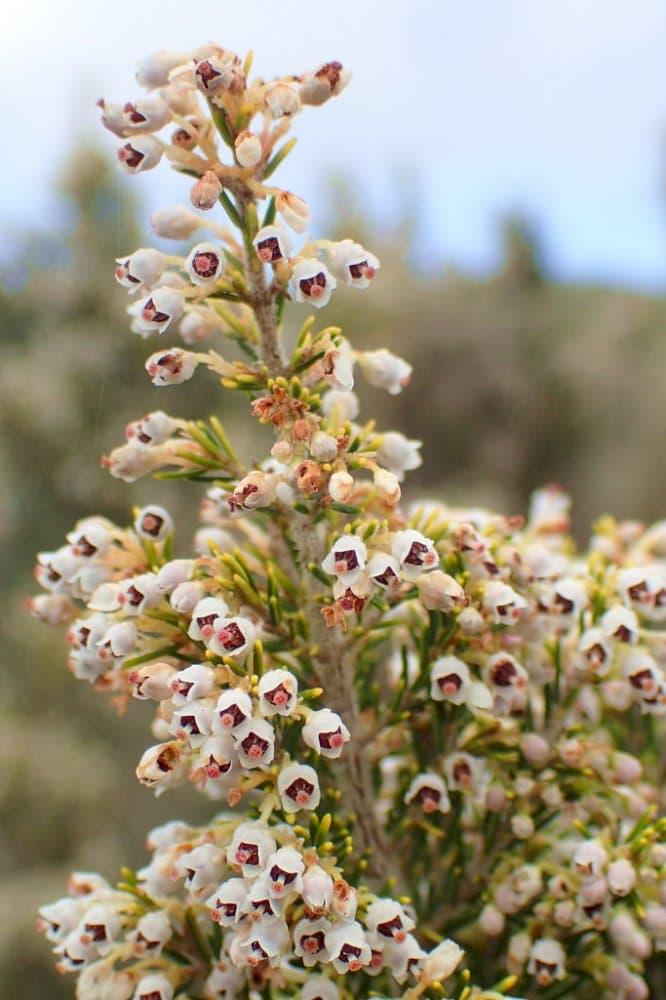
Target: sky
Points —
{"points": [[466, 109]]}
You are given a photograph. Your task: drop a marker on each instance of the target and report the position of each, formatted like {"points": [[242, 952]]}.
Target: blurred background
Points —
{"points": [[506, 162]]}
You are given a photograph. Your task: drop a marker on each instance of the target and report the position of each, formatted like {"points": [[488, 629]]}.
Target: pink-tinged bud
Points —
{"points": [[312, 282], [628, 769], [143, 268], [186, 596], [176, 223], [205, 264], [198, 326], [148, 114], [440, 592], [282, 100], [352, 264], [152, 680], [153, 71], [131, 461], [341, 486], [326, 81], [257, 489], [387, 486], [536, 749], [142, 152], [385, 370], [53, 609], [248, 149], [171, 367], [293, 210], [491, 920], [206, 191]]}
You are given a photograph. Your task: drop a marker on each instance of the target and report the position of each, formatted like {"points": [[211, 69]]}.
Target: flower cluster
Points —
{"points": [[422, 722]]}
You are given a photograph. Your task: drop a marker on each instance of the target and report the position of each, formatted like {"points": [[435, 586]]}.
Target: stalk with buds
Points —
{"points": [[431, 734]]}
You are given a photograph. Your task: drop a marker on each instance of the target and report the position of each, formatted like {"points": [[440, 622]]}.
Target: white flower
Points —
{"points": [[338, 366], [248, 149], [172, 367], [154, 523], [324, 82], [502, 602], [278, 692], [293, 210], [232, 708], [450, 681], [441, 962], [298, 787], [227, 901], [310, 940], [284, 869], [415, 553], [347, 946], [323, 447], [547, 961], [151, 933], [232, 637], [142, 269], [384, 570], [205, 264], [385, 370], [312, 282], [171, 574], [429, 790], [386, 917], [318, 988], [339, 407], [193, 682], [255, 742], [176, 223], [192, 722], [341, 486], [620, 623], [141, 152], [162, 766], [272, 243], [398, 454], [282, 100], [205, 617], [590, 859], [153, 71], [317, 890], [154, 987], [352, 264], [153, 429], [163, 306], [621, 877], [465, 773], [326, 733], [147, 114], [214, 75], [251, 846], [346, 559]]}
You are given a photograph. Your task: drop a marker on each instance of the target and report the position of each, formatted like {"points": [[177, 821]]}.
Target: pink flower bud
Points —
{"points": [[293, 210], [248, 149], [206, 191], [176, 223]]}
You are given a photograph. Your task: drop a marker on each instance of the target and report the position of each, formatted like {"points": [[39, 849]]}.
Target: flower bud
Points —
{"points": [[198, 326], [248, 149], [398, 454], [153, 71], [323, 447], [176, 223], [143, 152], [387, 486], [341, 486], [282, 100], [441, 962], [312, 282], [440, 592], [171, 367], [385, 370], [186, 596], [206, 191], [326, 81], [293, 210]]}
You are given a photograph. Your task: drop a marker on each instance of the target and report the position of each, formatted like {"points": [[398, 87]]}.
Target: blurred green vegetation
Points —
{"points": [[517, 381]]}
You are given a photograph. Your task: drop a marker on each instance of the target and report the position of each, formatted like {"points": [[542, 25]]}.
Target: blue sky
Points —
{"points": [[556, 108]]}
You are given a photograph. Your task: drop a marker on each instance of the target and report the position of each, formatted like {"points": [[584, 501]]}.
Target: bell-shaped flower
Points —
{"points": [[298, 787], [354, 265], [285, 868], [547, 961], [450, 680], [142, 269], [152, 932], [232, 637], [172, 367], [385, 370], [251, 846], [620, 623], [205, 264], [415, 553], [317, 890], [441, 962], [201, 868], [319, 988], [310, 941], [278, 692], [153, 523], [227, 903], [162, 766], [347, 946], [326, 81], [429, 790], [293, 210], [326, 733], [192, 721], [195, 681], [141, 152], [267, 940], [398, 454], [312, 282], [272, 243], [100, 927], [346, 559], [255, 742], [282, 100], [154, 987], [206, 615], [233, 708]]}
